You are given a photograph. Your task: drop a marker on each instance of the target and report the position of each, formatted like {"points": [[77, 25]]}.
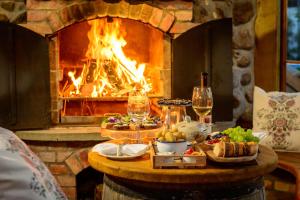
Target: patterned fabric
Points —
{"points": [[22, 174], [278, 114]]}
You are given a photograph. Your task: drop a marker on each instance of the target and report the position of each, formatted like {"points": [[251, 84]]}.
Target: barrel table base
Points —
{"points": [[122, 189]]}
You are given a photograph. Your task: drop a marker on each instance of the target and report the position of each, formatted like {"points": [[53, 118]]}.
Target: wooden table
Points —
{"points": [[136, 179]]}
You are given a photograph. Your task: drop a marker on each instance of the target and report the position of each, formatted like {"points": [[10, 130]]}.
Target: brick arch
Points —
{"points": [[78, 161], [145, 13]]}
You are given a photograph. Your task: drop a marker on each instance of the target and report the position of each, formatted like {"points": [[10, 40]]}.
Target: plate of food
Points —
{"points": [[124, 122], [122, 127], [233, 145]]}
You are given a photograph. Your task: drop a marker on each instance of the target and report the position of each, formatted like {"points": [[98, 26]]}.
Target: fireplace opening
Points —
{"points": [[101, 60]]}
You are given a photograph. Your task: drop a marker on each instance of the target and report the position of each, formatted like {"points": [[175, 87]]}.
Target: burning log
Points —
{"points": [[90, 74]]}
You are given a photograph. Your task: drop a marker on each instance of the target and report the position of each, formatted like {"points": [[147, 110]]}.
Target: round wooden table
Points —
{"points": [[136, 179]]}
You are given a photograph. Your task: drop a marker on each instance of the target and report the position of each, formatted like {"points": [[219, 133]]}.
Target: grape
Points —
{"points": [[238, 134]]}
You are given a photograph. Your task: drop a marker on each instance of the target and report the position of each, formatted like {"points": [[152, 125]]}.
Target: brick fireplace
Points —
{"points": [[107, 79], [65, 152]]}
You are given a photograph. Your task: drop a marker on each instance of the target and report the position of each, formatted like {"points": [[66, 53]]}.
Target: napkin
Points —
{"points": [[134, 149], [111, 149], [106, 148]]}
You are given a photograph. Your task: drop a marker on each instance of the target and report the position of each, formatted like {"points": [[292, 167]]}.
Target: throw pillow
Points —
{"points": [[22, 174], [278, 114]]}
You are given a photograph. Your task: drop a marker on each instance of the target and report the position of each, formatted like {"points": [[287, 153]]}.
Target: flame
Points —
{"points": [[75, 81], [108, 71]]}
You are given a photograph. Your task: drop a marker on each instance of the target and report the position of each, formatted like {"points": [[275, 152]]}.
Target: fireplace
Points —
{"points": [[100, 61], [49, 41], [95, 63], [172, 18]]}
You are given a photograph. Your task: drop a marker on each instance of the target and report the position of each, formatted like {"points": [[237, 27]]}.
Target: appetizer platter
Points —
{"points": [[232, 145], [125, 122], [120, 127]]}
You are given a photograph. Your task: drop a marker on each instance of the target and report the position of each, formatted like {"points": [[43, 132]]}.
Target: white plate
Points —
{"points": [[109, 150], [123, 157], [213, 157]]}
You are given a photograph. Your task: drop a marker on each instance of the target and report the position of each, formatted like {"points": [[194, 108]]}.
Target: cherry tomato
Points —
{"points": [[189, 151]]}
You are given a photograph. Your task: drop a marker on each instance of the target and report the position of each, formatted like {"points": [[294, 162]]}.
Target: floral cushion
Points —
{"points": [[278, 114], [22, 174]]}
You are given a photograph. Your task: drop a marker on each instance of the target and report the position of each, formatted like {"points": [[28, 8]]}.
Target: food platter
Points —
{"points": [[124, 127], [210, 154]]}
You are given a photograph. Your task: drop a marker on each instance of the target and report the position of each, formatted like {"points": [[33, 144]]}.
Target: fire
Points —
{"points": [[108, 71]]}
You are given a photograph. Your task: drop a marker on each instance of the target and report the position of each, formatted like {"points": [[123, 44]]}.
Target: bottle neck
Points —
{"points": [[204, 81]]}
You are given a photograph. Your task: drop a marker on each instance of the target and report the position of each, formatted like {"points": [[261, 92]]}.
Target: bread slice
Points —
{"points": [[253, 148], [229, 149], [219, 149], [241, 145], [235, 149]]}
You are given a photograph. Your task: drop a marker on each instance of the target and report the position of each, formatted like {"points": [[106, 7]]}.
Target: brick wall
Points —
{"points": [[13, 11], [64, 159]]}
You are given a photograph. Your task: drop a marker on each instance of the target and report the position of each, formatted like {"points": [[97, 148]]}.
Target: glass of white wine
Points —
{"points": [[202, 102], [138, 108]]}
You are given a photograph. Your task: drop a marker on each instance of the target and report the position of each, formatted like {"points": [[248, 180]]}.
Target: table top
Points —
{"points": [[140, 169]]}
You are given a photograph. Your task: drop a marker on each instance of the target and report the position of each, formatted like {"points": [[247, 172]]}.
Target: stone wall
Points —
{"points": [[243, 13]]}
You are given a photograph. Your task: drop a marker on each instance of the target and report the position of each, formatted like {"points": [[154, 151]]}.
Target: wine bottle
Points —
{"points": [[204, 80], [205, 111]]}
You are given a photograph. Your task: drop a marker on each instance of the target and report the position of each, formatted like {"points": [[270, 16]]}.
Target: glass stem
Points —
{"points": [[138, 134], [201, 119]]}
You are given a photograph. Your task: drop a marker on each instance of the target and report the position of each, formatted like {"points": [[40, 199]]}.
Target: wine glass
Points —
{"points": [[138, 108], [202, 102]]}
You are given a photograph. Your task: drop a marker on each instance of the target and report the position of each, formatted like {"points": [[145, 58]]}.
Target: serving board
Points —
{"points": [[161, 161], [129, 134], [210, 154]]}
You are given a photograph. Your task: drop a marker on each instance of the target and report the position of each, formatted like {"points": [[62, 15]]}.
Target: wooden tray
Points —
{"points": [[177, 161], [129, 134], [211, 156]]}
